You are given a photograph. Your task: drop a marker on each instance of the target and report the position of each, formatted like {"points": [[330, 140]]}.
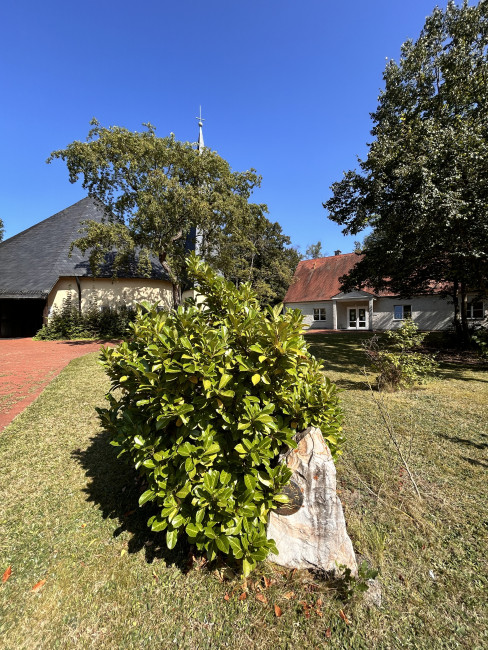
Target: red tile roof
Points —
{"points": [[318, 279]]}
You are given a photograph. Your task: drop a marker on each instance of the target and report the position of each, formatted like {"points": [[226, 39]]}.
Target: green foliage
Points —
{"points": [[68, 323], [203, 401], [256, 251], [423, 185], [397, 361], [480, 339], [314, 251], [351, 585], [159, 193]]}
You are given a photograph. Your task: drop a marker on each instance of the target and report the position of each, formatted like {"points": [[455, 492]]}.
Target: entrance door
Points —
{"points": [[357, 318]]}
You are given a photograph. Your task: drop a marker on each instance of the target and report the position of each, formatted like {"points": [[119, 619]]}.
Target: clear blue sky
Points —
{"points": [[286, 87]]}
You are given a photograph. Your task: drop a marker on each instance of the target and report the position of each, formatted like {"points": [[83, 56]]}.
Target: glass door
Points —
{"points": [[352, 318], [357, 318]]}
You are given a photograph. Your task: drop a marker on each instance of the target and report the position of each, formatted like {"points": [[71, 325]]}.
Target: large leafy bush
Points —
{"points": [[203, 401]]}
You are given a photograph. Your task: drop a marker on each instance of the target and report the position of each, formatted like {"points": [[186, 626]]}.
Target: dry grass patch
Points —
{"points": [[69, 516]]}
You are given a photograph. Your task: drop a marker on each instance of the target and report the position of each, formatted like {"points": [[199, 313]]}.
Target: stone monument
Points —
{"points": [[310, 532]]}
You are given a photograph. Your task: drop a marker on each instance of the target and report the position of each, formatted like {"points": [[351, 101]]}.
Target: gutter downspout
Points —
{"points": [[79, 293]]}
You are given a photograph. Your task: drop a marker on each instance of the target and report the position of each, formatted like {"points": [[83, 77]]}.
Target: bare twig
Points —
{"points": [[385, 416]]}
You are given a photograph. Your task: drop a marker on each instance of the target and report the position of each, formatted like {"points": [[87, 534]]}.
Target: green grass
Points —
{"points": [[68, 515]]}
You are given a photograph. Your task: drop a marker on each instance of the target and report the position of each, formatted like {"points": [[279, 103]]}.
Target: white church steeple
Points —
{"points": [[200, 143]]}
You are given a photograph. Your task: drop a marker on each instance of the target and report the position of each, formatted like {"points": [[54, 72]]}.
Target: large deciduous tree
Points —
{"points": [[158, 192], [259, 253], [423, 187]]}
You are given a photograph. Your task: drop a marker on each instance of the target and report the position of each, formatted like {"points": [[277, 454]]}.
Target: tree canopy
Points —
{"points": [[1, 230], [314, 251], [423, 187], [159, 193]]}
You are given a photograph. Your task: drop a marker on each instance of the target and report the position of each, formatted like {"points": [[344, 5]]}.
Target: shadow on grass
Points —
{"points": [[473, 461], [114, 488], [341, 353], [464, 441], [451, 371]]}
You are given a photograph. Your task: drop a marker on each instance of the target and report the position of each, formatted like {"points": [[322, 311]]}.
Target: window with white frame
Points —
{"points": [[402, 312], [319, 313], [475, 309]]}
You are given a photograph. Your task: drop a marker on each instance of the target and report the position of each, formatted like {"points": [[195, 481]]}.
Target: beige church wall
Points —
{"points": [[104, 292], [101, 292], [60, 291], [428, 313], [307, 310]]}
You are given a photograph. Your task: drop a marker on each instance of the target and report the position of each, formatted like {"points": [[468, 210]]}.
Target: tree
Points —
{"points": [[157, 193], [314, 251], [423, 187], [257, 252], [1, 230]]}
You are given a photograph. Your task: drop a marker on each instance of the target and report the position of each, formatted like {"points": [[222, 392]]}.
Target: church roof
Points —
{"points": [[32, 261]]}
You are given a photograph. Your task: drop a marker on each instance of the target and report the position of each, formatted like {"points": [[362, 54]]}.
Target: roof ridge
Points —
{"points": [[40, 223]]}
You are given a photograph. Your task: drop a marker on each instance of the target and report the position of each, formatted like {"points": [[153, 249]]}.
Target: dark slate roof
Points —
{"points": [[32, 261]]}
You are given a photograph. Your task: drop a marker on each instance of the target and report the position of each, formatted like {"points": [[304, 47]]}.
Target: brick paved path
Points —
{"points": [[27, 367]]}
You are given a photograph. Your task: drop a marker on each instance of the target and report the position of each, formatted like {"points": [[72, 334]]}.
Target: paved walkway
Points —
{"points": [[27, 367]]}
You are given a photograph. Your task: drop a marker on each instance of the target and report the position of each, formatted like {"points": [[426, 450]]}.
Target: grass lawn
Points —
{"points": [[69, 517]]}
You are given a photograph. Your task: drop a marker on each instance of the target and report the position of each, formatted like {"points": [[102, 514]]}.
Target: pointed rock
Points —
{"points": [[315, 536]]}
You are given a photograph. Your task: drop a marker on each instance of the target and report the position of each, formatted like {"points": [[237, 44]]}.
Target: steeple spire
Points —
{"points": [[200, 144]]}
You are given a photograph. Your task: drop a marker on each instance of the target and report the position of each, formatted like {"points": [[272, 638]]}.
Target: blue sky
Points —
{"points": [[286, 87]]}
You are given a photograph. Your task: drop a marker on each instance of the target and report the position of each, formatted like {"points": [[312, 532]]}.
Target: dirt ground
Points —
{"points": [[27, 367]]}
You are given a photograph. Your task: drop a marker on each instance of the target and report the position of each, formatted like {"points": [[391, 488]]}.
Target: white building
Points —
{"points": [[315, 290]]}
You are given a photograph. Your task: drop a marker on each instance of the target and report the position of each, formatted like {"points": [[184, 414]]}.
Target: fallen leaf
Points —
{"points": [[289, 595], [328, 633], [37, 586], [262, 599], [7, 574], [344, 617], [319, 602], [243, 596], [83, 525], [123, 552], [226, 597], [278, 611], [267, 582]]}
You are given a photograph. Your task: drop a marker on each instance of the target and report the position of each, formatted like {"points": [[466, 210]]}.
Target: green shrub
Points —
{"points": [[68, 323], [209, 396], [480, 340], [398, 361]]}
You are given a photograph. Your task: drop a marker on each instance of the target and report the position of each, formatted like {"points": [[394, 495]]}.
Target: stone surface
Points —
{"points": [[315, 537], [373, 596]]}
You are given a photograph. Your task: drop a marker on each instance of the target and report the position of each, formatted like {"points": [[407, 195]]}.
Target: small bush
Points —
{"points": [[480, 340], [398, 361], [68, 323], [209, 396]]}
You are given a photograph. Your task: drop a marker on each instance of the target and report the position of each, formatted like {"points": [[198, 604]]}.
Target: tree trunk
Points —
{"points": [[464, 314], [457, 311], [175, 285]]}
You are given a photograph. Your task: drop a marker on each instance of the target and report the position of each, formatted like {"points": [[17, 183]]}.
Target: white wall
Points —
{"points": [[428, 313], [103, 291], [307, 310]]}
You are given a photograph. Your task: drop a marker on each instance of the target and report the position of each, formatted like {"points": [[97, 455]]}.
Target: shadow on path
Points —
{"points": [[114, 488]]}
